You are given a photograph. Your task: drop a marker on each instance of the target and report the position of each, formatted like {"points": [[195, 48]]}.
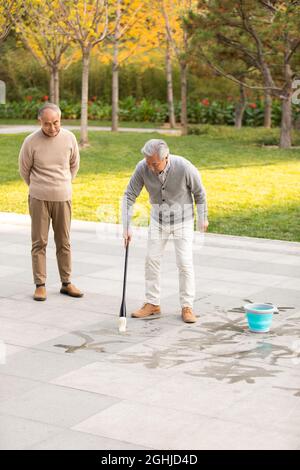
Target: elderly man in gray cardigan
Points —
{"points": [[174, 186]]}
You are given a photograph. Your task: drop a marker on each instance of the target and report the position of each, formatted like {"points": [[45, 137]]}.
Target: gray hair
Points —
{"points": [[52, 106], [155, 147]]}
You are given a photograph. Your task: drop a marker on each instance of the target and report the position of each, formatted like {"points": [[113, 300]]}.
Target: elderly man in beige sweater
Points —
{"points": [[48, 162]]}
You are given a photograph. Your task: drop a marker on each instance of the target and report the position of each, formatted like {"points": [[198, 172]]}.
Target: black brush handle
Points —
{"points": [[123, 305]]}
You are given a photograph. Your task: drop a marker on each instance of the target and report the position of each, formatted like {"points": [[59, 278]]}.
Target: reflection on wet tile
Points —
{"points": [[233, 372]]}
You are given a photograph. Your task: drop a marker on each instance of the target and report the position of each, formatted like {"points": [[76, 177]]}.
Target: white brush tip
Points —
{"points": [[122, 324]]}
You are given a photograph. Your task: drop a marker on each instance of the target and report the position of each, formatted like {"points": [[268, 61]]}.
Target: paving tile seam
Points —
{"points": [[85, 433], [34, 421]]}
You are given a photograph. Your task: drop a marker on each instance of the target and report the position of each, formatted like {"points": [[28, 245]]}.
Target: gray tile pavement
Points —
{"points": [[70, 380]]}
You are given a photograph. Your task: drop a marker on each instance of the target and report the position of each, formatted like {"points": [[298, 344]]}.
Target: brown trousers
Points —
{"points": [[41, 213]]}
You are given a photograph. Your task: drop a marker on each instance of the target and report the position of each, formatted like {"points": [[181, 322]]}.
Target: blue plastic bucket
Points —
{"points": [[259, 316]]}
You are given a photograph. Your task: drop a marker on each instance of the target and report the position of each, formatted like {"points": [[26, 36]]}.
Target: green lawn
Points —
{"points": [[76, 122], [252, 190]]}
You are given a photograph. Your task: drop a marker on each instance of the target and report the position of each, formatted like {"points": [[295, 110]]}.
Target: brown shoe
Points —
{"points": [[71, 290], [146, 311], [40, 293], [188, 315]]}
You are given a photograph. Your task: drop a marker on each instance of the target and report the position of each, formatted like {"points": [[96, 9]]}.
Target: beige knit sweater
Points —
{"points": [[49, 164]]}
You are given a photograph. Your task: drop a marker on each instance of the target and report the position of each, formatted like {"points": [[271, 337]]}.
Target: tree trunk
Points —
{"points": [[170, 94], [183, 79], [268, 110], [115, 72], [286, 107], [84, 98], [51, 85], [138, 87], [286, 123], [56, 85], [240, 108], [115, 90]]}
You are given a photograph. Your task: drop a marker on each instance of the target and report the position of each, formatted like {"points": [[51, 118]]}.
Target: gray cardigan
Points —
{"points": [[172, 201]]}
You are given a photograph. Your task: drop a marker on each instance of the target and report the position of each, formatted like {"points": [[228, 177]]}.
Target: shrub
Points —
{"points": [[203, 112]]}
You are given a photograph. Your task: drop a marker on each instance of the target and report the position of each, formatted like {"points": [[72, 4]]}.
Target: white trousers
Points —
{"points": [[158, 236]]}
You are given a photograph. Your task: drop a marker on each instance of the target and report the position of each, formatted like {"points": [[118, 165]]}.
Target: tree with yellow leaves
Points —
{"points": [[175, 13], [138, 33], [38, 31], [5, 23], [85, 23], [130, 26], [159, 31], [8, 10]]}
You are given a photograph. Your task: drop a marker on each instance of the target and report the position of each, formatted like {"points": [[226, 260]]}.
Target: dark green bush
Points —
{"points": [[130, 109]]}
